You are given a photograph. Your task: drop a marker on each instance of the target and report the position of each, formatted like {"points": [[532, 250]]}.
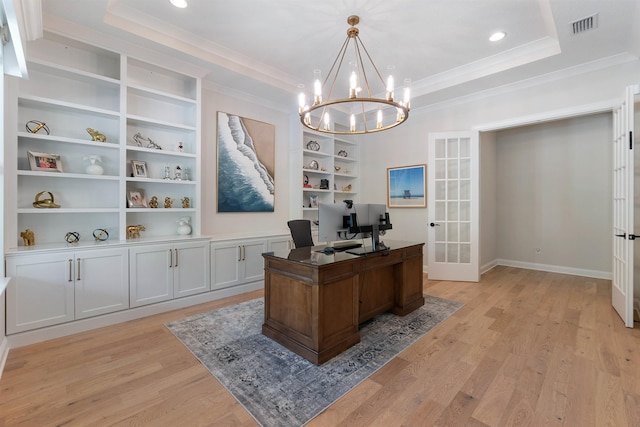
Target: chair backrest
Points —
{"points": [[301, 232]]}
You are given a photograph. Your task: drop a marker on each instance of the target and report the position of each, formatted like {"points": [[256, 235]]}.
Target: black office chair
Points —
{"points": [[301, 232]]}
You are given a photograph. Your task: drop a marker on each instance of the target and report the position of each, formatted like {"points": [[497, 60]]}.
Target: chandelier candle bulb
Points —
{"points": [[326, 121], [352, 123], [390, 88], [353, 84], [379, 124], [301, 102], [407, 96]]}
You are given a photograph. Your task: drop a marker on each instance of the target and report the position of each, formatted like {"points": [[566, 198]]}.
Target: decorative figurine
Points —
{"points": [[168, 202], [138, 138], [185, 175], [133, 231], [45, 203], [93, 168], [100, 234], [72, 237], [96, 136], [28, 238], [185, 203], [180, 146], [178, 176], [153, 203], [35, 126], [167, 173], [183, 226]]}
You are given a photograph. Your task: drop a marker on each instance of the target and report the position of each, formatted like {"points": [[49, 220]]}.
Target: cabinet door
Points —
{"points": [[150, 278], [225, 265], [191, 269], [41, 292], [253, 267], [101, 282], [280, 244]]}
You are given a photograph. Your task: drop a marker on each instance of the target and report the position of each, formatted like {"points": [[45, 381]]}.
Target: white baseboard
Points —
{"points": [[607, 275], [77, 326]]}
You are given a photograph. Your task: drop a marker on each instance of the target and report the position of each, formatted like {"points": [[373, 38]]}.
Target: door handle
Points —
{"points": [[176, 264], [170, 258], [78, 272], [433, 224], [70, 270], [623, 235]]}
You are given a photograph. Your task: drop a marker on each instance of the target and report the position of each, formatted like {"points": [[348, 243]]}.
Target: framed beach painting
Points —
{"points": [[406, 187], [246, 164]]}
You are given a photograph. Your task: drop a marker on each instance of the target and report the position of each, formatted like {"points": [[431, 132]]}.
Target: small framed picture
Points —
{"points": [[313, 201], [136, 198], [44, 162], [139, 168], [406, 187]]}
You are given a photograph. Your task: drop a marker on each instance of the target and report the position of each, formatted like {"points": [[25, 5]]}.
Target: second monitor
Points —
{"points": [[339, 222]]}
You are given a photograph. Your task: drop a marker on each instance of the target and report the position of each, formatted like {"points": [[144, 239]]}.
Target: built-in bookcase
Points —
{"points": [[73, 86]]}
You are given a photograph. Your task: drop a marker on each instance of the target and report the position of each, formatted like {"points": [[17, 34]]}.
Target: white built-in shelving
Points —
{"points": [[73, 86]]}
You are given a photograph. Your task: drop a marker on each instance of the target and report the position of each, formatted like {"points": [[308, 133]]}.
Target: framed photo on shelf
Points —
{"points": [[136, 198], [139, 168], [313, 201], [406, 187], [44, 162]]}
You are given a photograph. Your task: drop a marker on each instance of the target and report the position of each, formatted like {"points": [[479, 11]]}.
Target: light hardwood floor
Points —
{"points": [[528, 348]]}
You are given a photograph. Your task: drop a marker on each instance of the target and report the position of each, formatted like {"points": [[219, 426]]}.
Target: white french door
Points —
{"points": [[452, 194], [623, 207]]}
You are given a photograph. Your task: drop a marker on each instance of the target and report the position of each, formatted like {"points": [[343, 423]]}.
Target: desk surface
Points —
{"points": [[314, 255]]}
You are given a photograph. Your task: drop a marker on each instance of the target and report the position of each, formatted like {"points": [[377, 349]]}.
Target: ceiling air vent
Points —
{"points": [[585, 24]]}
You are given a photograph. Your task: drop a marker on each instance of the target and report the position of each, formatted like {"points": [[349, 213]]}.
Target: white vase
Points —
{"points": [[94, 169], [184, 229]]}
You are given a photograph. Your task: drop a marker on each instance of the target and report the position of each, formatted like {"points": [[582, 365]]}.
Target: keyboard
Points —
{"points": [[339, 247]]}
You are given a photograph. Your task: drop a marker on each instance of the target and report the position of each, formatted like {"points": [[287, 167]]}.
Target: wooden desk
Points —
{"points": [[314, 302]]}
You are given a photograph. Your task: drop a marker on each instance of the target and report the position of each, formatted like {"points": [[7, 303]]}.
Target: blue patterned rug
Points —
{"points": [[280, 388]]}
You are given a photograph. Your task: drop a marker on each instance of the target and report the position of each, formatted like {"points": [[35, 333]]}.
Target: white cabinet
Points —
{"points": [[237, 262], [101, 282], [161, 272], [281, 244], [49, 289]]}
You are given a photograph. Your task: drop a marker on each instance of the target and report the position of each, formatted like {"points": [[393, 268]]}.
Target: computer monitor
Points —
{"points": [[331, 221], [370, 218]]}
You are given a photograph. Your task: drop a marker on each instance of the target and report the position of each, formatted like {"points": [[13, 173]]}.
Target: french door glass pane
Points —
{"points": [[441, 255], [452, 252], [465, 211], [452, 232], [452, 211], [465, 254], [441, 150], [441, 212], [452, 186]]}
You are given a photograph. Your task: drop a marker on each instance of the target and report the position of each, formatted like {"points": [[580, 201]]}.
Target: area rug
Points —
{"points": [[280, 388]]}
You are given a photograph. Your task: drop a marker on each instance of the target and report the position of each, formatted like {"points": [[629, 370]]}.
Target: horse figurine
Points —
{"points": [[133, 231], [96, 136], [28, 237]]}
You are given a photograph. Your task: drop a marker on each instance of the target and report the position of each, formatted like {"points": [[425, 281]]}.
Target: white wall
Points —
{"points": [[554, 192], [223, 225]]}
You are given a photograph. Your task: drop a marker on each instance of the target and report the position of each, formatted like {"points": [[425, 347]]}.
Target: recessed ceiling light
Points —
{"points": [[179, 3], [498, 35]]}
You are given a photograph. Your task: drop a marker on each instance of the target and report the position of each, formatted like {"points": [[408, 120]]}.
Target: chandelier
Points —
{"points": [[360, 105]]}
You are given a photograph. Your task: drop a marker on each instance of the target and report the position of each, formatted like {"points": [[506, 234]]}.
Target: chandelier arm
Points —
{"points": [[364, 71], [343, 51], [372, 63], [335, 61]]}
